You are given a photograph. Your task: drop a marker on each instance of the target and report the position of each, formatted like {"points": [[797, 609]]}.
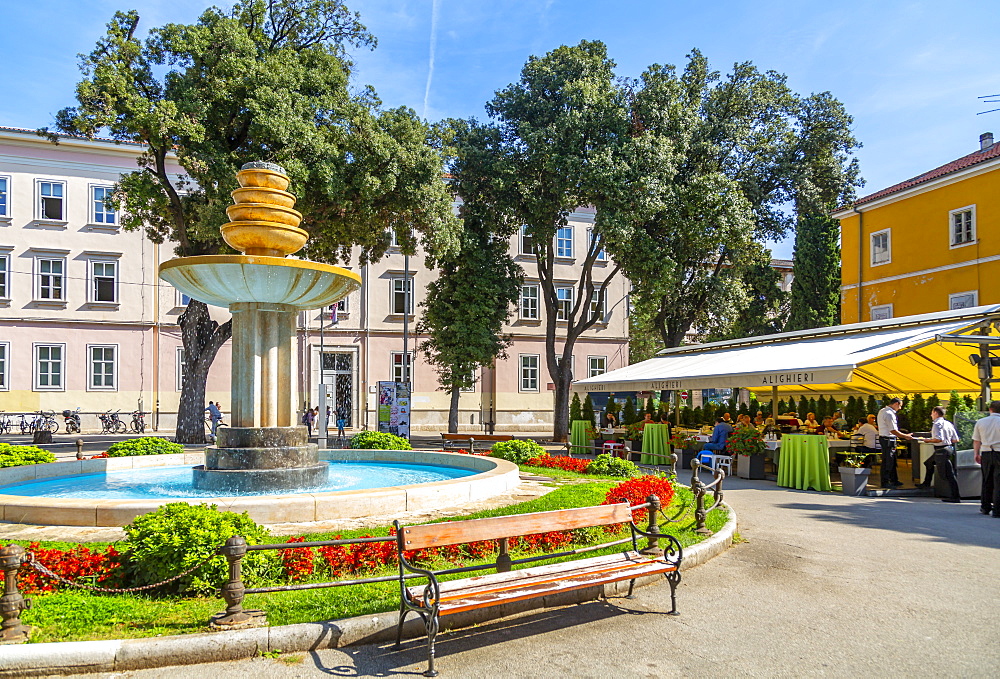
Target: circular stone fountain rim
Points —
{"points": [[495, 476]]}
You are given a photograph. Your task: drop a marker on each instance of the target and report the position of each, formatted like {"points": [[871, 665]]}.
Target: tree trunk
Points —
{"points": [[453, 411], [202, 338], [561, 422]]}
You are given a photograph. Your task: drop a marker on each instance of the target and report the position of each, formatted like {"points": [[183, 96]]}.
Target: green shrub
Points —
{"points": [[145, 445], [175, 537], [16, 456], [606, 465], [517, 452], [376, 440]]}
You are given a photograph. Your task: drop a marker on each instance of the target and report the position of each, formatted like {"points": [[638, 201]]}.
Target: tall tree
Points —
{"points": [[266, 80], [824, 176]]}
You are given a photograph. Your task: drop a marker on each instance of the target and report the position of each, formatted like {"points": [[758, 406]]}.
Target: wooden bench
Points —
{"points": [[436, 598], [468, 441]]}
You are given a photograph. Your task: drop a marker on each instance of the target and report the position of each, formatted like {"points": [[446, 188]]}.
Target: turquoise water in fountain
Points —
{"points": [[159, 483]]}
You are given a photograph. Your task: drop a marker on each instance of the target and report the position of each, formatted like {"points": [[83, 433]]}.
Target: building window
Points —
{"points": [[527, 243], [393, 239], [402, 365], [472, 380], [102, 205], [180, 299], [50, 278], [402, 296], [4, 186], [4, 349], [564, 241], [598, 305], [50, 201], [49, 366], [179, 369], [881, 247], [103, 367], [883, 312], [596, 365], [104, 281], [963, 300], [963, 226], [529, 372], [4, 277], [564, 303], [601, 255], [529, 302]]}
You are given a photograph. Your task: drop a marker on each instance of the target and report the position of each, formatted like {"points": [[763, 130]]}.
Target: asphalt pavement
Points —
{"points": [[821, 585]]}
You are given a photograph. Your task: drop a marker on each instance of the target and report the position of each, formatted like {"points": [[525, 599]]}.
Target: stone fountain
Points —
{"points": [[265, 449]]}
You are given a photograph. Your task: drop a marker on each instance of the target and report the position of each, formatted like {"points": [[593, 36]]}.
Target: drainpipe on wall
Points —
{"points": [[861, 255], [156, 340]]}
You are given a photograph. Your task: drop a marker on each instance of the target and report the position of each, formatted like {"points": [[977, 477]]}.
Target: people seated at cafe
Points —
{"points": [[810, 422], [869, 434], [827, 427], [612, 420], [727, 419], [839, 423], [743, 421], [770, 427], [759, 420], [720, 435], [647, 419]]}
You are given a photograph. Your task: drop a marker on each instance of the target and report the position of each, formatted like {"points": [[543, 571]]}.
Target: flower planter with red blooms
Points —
{"points": [[747, 445]]}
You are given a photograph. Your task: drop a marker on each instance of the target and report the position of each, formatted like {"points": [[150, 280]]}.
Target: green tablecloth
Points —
{"points": [[655, 444], [804, 462], [578, 437]]}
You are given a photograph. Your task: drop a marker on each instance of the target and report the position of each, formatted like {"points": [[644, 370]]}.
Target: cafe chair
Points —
{"points": [[614, 448]]}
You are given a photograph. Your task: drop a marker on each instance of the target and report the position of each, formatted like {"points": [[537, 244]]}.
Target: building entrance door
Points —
{"points": [[338, 372]]}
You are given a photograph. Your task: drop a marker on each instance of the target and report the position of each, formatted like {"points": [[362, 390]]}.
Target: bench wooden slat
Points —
{"points": [[459, 532], [478, 437]]}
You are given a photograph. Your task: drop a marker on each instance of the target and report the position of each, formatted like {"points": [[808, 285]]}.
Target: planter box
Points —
{"points": [[686, 455], [855, 480], [750, 466]]}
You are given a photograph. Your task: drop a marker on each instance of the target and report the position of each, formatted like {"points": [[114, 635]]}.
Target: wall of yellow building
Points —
{"points": [[920, 239]]}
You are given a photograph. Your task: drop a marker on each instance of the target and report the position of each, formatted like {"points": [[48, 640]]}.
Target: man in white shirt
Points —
{"points": [[888, 432], [986, 443], [944, 437]]}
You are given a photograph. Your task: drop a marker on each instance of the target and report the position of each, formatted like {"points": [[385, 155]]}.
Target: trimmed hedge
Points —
{"points": [[145, 445], [518, 451], [17, 456], [375, 440]]}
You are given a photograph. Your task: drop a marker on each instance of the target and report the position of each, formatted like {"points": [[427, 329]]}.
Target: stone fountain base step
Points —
{"points": [[262, 458], [264, 480]]}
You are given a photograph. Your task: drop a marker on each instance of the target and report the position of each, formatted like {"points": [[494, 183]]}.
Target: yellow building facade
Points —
{"points": [[931, 243]]}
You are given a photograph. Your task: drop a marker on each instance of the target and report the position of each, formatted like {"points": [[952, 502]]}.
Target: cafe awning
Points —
{"points": [[900, 355]]}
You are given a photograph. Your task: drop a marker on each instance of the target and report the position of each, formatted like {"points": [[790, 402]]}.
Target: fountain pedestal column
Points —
{"points": [[264, 364]]}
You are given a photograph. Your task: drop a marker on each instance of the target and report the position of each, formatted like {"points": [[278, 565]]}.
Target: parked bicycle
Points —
{"points": [[112, 424], [71, 420], [5, 423], [138, 423]]}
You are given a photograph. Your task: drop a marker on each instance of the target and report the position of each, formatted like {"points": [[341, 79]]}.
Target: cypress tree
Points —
{"points": [[815, 298], [821, 408], [696, 417], [574, 409], [812, 407], [918, 414], [588, 410], [932, 402], [628, 412], [803, 408], [872, 407], [708, 414], [953, 402], [650, 407]]}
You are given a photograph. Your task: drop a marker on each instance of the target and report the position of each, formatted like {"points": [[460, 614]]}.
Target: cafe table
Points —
{"points": [[655, 444], [804, 462], [579, 441]]}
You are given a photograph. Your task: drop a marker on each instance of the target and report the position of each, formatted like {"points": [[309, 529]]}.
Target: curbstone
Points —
{"points": [[68, 657], [190, 649]]}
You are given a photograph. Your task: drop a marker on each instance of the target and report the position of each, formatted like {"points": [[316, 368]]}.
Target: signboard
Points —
{"points": [[394, 408]]}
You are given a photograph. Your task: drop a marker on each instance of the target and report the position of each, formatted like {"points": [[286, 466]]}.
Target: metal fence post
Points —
{"points": [[79, 449], [654, 526], [12, 603], [504, 562], [698, 488], [233, 591]]}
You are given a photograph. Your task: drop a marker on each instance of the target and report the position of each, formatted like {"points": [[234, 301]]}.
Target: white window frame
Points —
{"points": [[521, 374], [594, 372], [179, 369], [39, 213], [564, 244], [114, 212], [393, 239], [564, 304], [888, 246], [91, 364], [92, 280], [472, 389], [407, 282], [5, 192], [951, 226], [602, 256], [179, 296], [36, 365], [878, 310], [38, 278], [602, 312], [522, 307], [406, 371], [4, 275], [525, 243], [953, 296], [4, 366]]}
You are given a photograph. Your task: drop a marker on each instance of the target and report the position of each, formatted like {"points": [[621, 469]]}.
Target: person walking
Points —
{"points": [[308, 417], [341, 421], [986, 443], [215, 416], [888, 433], [944, 437]]}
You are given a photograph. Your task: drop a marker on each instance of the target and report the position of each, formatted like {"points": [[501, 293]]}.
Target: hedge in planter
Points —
{"points": [[518, 451], [145, 445], [17, 456], [376, 440]]}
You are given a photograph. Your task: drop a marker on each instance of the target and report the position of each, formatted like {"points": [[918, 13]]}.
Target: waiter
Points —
{"points": [[944, 437], [888, 432], [986, 443]]}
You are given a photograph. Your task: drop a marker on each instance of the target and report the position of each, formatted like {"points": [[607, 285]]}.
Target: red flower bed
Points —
{"points": [[77, 564], [635, 491], [570, 464], [298, 561]]}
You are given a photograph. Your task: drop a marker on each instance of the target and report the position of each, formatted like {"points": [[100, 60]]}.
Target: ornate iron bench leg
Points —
{"points": [[631, 586], [673, 578], [431, 621], [399, 628]]}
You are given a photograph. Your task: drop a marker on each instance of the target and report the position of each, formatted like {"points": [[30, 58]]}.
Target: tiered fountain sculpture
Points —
{"points": [[264, 449]]}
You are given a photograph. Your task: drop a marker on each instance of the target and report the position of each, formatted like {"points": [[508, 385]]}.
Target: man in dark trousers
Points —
{"points": [[888, 432], [986, 443], [944, 437]]}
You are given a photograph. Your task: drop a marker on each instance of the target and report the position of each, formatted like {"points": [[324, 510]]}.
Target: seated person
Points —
{"points": [[770, 428], [648, 419], [759, 420], [612, 420], [744, 421], [839, 423], [727, 419], [810, 422], [720, 435], [827, 427]]}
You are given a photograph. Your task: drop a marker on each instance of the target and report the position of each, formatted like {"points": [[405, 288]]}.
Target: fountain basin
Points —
{"points": [[489, 477]]}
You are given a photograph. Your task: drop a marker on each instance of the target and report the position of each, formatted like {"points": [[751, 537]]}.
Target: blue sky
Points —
{"points": [[909, 72]]}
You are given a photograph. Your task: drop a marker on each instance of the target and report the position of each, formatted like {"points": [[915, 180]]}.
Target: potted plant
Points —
{"points": [[853, 473], [686, 446], [748, 445], [633, 439]]}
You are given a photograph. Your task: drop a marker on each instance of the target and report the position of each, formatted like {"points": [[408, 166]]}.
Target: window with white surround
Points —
{"points": [[103, 367], [180, 299], [529, 303], [50, 274], [50, 201], [564, 241], [564, 303], [526, 242], [393, 239], [602, 255], [529, 372], [881, 247], [963, 300], [472, 378], [103, 281], [4, 275], [4, 360], [102, 208], [402, 365], [179, 369], [49, 367], [962, 226], [401, 296], [597, 365], [599, 305], [882, 312], [4, 196]]}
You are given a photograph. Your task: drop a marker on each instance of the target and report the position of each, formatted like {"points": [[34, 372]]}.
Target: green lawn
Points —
{"points": [[78, 616]]}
